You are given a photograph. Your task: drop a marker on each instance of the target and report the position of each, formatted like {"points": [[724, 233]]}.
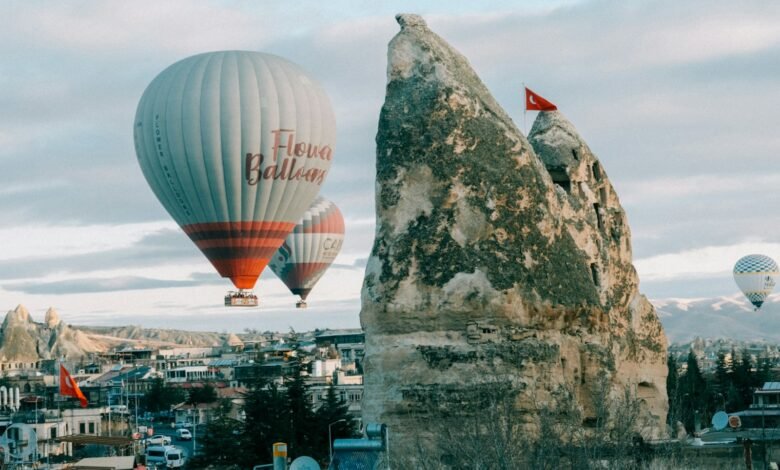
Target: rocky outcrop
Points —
{"points": [[24, 341], [233, 340], [52, 318], [498, 261]]}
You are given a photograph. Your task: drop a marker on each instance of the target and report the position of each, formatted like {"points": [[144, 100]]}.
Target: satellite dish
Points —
{"points": [[734, 421], [720, 420], [304, 463], [19, 443]]}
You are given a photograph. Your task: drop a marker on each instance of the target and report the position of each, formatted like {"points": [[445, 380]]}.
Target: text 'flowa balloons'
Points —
{"points": [[235, 145], [310, 248], [755, 275]]}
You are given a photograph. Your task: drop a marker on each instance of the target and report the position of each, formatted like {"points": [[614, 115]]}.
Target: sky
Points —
{"points": [[679, 100]]}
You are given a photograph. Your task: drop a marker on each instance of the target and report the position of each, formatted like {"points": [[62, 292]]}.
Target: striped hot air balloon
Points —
{"points": [[235, 145], [755, 275], [310, 248]]}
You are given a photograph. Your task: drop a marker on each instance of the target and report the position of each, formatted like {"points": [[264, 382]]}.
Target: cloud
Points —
{"points": [[701, 262], [90, 286], [676, 98]]}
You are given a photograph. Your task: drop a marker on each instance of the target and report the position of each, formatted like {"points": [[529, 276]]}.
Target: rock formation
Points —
{"points": [[52, 318], [24, 341], [496, 261], [233, 340]]}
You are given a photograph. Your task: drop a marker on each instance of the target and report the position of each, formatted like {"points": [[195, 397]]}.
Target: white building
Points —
{"points": [[190, 374]]}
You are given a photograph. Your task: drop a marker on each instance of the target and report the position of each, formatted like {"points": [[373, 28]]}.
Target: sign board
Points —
{"points": [[734, 421]]}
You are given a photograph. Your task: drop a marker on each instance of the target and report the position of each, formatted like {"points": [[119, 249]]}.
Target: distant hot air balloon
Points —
{"points": [[310, 248], [755, 275], [235, 145]]}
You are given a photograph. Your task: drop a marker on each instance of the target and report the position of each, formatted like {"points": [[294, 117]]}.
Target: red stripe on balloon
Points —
{"points": [[239, 227], [299, 274], [332, 223], [239, 250], [243, 242]]}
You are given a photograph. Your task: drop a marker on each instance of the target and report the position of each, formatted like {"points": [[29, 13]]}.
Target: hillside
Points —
{"points": [[722, 317], [22, 339]]}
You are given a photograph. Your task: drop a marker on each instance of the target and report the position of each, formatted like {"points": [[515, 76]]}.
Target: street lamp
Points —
{"points": [[330, 441]]}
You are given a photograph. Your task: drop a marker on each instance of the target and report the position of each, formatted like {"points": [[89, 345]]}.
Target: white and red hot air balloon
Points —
{"points": [[235, 145], [310, 248]]}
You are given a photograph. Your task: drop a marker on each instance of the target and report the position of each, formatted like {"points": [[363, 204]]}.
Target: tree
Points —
{"points": [[672, 391], [161, 397], [220, 445], [333, 410], [744, 380], [693, 393], [723, 374], [205, 394], [267, 421], [301, 440]]}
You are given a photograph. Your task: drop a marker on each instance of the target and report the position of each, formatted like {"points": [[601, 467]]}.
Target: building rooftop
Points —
{"points": [[341, 332], [770, 387]]}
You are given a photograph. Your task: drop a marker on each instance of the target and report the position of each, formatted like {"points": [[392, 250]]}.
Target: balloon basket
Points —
{"points": [[241, 298], [301, 304]]}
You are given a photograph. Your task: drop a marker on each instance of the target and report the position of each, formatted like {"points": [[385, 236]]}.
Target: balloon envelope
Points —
{"points": [[755, 275], [235, 145], [310, 248]]}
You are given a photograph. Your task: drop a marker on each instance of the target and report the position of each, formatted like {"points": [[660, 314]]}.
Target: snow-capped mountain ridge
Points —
{"points": [[729, 316]]}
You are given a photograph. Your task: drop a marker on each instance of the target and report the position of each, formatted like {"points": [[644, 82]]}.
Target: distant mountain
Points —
{"points": [[24, 340], [721, 317]]}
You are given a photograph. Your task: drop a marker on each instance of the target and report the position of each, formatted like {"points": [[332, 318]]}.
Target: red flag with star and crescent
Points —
{"points": [[69, 387], [534, 102]]}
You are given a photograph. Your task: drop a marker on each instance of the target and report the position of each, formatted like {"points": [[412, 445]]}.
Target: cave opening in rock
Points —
{"points": [[594, 272], [596, 170], [561, 178], [599, 219]]}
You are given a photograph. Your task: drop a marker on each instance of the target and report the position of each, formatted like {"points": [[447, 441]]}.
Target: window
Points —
{"points": [[53, 433], [561, 178], [92, 428], [594, 271], [599, 219], [82, 428], [596, 170]]}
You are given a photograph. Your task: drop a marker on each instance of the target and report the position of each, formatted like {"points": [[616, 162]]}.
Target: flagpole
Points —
{"points": [[525, 107]]}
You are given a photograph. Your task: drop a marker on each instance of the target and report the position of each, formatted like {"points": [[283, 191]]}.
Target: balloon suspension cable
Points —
{"points": [[301, 304]]}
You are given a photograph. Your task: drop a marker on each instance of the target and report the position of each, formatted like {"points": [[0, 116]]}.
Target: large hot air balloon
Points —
{"points": [[755, 275], [310, 248], [235, 145]]}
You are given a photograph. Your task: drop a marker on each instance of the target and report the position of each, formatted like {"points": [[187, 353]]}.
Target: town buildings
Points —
{"points": [[116, 383]]}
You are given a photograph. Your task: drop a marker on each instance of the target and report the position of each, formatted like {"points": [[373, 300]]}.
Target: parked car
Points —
{"points": [[158, 440], [118, 409], [181, 425], [184, 434]]}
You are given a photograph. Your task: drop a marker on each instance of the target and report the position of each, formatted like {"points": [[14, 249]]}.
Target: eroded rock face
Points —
{"points": [[496, 260]]}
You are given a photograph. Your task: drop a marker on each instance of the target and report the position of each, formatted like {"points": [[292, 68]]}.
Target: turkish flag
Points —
{"points": [[534, 102], [69, 387]]}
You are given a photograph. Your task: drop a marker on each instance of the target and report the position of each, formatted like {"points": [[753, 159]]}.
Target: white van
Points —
{"points": [[164, 457], [174, 457]]}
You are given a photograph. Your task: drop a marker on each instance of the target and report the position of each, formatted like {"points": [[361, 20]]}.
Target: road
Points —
{"points": [[186, 446]]}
